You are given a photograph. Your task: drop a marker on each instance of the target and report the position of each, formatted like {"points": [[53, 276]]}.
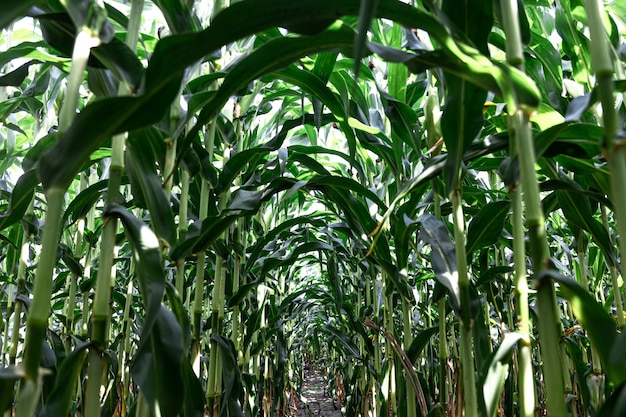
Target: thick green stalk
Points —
{"points": [[38, 317], [198, 300], [124, 352], [443, 353], [182, 229], [526, 384], [82, 47], [525, 378], [614, 149], [101, 315], [549, 328], [411, 405], [21, 288], [200, 273], [37, 322], [466, 342]]}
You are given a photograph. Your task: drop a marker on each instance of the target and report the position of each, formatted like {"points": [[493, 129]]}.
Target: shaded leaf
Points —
{"points": [[442, 256], [67, 376], [486, 226], [146, 184], [497, 372], [598, 324], [8, 378], [156, 367], [21, 197]]}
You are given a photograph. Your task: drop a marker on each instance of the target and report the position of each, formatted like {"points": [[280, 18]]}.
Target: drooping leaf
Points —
{"points": [[497, 372], [595, 320], [13, 10], [149, 265], [462, 116], [103, 118], [420, 342], [442, 256], [201, 235], [16, 77], [66, 379], [8, 378], [577, 210], [21, 197], [177, 15], [233, 388], [486, 226], [367, 11], [146, 186], [157, 365]]}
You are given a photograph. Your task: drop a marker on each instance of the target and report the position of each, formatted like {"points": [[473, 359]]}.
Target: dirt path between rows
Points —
{"points": [[314, 402]]}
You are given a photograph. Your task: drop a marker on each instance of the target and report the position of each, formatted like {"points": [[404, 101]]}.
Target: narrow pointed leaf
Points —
{"points": [[577, 210], [498, 371], [486, 226], [156, 367], [66, 379], [442, 256], [21, 196], [596, 321], [146, 183], [149, 264]]}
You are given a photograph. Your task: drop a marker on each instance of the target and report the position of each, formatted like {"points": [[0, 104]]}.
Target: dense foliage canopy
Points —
{"points": [[423, 199]]}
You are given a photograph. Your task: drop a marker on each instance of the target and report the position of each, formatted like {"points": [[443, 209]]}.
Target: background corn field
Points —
{"points": [[421, 200]]}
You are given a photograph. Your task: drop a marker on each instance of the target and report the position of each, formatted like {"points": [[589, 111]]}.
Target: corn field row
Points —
{"points": [[205, 202]]}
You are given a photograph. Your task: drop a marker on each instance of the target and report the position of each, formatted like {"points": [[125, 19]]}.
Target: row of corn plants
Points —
{"points": [[421, 200]]}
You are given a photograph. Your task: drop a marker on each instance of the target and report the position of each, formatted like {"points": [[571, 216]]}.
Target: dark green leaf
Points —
{"points": [[577, 210], [233, 388], [177, 15], [156, 367], [13, 10], [149, 265], [367, 12], [16, 77], [141, 154], [8, 377], [420, 342], [486, 226], [442, 256], [20, 199], [497, 373], [67, 376], [598, 324]]}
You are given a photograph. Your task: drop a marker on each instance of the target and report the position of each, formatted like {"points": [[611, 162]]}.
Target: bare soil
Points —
{"points": [[314, 401]]}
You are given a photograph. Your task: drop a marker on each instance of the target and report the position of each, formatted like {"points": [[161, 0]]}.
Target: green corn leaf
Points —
{"points": [[486, 226], [149, 265], [9, 376], [174, 54], [66, 379], [420, 342], [142, 150], [16, 77], [156, 367], [21, 197], [177, 15], [233, 387], [577, 210], [596, 321], [202, 235], [442, 256], [367, 12], [498, 371], [13, 10], [462, 116]]}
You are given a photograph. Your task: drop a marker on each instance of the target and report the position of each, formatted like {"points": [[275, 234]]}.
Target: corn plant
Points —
{"points": [[420, 200]]}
